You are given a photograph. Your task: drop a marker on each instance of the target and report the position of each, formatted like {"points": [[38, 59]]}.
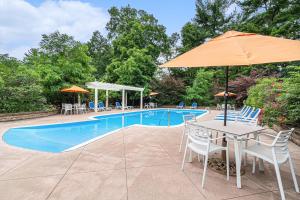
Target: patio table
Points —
{"points": [[236, 130]]}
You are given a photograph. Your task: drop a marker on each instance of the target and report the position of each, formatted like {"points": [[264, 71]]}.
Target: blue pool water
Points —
{"points": [[61, 137]]}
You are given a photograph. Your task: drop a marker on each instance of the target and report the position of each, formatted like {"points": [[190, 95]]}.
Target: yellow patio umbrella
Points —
{"points": [[75, 89], [221, 94], [238, 49]]}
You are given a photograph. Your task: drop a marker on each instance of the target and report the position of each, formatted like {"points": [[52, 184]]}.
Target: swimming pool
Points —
{"points": [[67, 136]]}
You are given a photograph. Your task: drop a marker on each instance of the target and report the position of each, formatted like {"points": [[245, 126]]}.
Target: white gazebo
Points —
{"points": [[113, 87]]}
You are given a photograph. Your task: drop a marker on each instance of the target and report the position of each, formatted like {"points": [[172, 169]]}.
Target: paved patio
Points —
{"points": [[134, 163]]}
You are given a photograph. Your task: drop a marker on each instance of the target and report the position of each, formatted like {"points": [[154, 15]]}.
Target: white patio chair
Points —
{"points": [[199, 141], [186, 119], [62, 108], [76, 108], [68, 108], [81, 109], [151, 105], [276, 153]]}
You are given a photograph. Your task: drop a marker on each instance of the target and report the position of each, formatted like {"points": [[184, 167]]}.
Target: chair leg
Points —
{"points": [[245, 154], [279, 180], [253, 165], [293, 174], [204, 172], [182, 138], [261, 165], [184, 155], [191, 156], [227, 161]]}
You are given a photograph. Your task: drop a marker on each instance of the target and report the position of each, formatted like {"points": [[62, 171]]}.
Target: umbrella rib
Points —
{"points": [[243, 52]]}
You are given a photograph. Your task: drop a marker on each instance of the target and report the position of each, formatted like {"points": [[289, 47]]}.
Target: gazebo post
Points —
{"points": [[141, 101], [106, 102], [96, 100], [123, 99]]}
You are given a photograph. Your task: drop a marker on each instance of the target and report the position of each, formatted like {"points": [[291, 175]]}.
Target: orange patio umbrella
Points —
{"points": [[75, 89], [238, 49], [221, 94], [153, 93]]}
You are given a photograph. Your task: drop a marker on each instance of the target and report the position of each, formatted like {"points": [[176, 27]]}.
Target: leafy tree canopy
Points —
{"points": [[137, 41], [60, 61], [100, 51], [270, 17]]}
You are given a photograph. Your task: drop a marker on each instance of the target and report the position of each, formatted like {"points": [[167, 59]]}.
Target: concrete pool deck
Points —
{"points": [[134, 163]]}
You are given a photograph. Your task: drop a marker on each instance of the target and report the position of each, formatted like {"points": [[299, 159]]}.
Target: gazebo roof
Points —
{"points": [[111, 86]]}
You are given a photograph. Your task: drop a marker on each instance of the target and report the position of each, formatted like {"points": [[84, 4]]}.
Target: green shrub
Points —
{"points": [[22, 93], [202, 89], [279, 98], [290, 98]]}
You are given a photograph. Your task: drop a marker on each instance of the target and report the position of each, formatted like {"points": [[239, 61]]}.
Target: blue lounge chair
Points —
{"points": [[180, 105], [91, 105], [102, 107], [251, 116], [118, 105], [194, 105], [235, 117], [240, 113]]}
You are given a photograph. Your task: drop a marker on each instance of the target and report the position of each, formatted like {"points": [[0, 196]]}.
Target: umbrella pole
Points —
{"points": [[226, 96], [224, 142]]}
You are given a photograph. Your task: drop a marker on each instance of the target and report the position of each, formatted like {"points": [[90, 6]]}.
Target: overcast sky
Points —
{"points": [[22, 22]]}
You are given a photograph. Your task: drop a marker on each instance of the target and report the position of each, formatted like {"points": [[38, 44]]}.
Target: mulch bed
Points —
{"points": [[218, 165], [25, 115]]}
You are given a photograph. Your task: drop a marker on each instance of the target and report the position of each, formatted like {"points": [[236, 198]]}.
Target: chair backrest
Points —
{"points": [[63, 105], [255, 113], [280, 143], [248, 113], [244, 109], [151, 104], [101, 104], [91, 105], [68, 106], [219, 107], [118, 104], [233, 107], [194, 104], [188, 118], [83, 106], [199, 135]]}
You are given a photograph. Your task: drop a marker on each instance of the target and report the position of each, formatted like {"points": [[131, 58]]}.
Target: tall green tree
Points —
{"points": [[212, 18], [100, 51], [60, 61], [271, 17], [138, 40], [202, 89]]}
